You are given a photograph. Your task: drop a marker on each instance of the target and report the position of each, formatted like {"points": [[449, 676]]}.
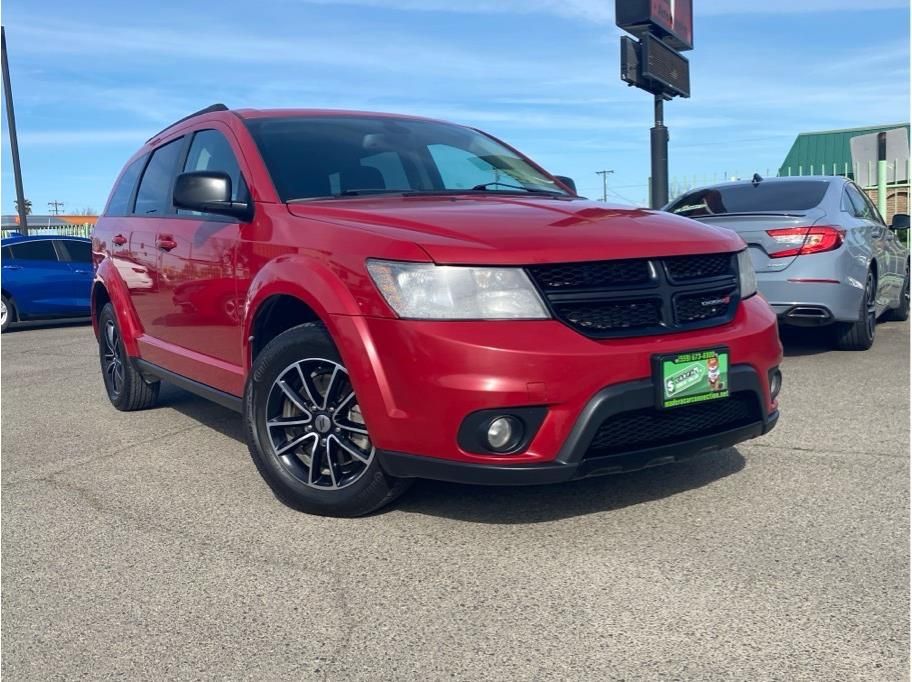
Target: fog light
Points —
{"points": [[504, 433], [775, 383]]}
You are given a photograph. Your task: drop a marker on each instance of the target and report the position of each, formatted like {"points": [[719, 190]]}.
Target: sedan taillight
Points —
{"points": [[800, 241]]}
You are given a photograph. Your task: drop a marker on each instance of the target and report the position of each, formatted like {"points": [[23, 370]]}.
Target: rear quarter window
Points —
{"points": [[119, 203], [78, 252], [761, 197]]}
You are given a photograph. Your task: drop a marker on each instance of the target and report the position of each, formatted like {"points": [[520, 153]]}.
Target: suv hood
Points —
{"points": [[511, 230]]}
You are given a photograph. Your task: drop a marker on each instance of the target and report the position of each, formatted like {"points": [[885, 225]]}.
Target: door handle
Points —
{"points": [[82, 272], [119, 240], [165, 243]]}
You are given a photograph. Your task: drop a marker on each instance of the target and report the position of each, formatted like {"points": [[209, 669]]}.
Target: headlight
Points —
{"points": [[444, 292], [748, 276]]}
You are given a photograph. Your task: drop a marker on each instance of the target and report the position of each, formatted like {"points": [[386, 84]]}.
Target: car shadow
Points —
{"points": [[797, 341], [510, 504], [48, 324]]}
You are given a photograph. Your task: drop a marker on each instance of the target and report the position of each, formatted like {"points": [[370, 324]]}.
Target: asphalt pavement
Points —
{"points": [[145, 546]]}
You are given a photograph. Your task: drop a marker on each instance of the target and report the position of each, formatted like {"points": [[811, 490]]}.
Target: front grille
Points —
{"points": [[650, 427], [576, 276], [642, 296], [611, 315], [702, 306], [698, 267]]}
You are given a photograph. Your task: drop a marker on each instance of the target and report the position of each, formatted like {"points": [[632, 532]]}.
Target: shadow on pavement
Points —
{"points": [[507, 504], [48, 324], [539, 504], [811, 341]]}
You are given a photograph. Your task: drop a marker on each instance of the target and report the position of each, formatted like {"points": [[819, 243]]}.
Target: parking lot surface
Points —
{"points": [[145, 545]]}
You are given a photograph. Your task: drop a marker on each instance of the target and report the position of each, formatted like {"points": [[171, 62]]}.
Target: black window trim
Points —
{"points": [[131, 200]]}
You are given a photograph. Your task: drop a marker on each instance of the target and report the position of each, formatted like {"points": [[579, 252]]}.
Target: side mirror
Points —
{"points": [[209, 192], [567, 181], [900, 221]]}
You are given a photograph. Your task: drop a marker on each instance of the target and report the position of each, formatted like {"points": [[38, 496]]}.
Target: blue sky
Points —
{"points": [[93, 80]]}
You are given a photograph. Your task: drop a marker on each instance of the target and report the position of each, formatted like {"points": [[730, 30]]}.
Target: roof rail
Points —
{"points": [[215, 107]]}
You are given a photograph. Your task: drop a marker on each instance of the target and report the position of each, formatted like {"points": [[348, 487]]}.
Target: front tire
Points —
{"points": [[859, 335], [126, 388], [305, 430]]}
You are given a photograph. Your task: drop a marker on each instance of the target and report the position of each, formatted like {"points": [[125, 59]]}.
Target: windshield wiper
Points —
{"points": [[484, 186], [349, 193]]}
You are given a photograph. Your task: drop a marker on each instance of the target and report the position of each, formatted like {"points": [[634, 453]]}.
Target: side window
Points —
{"points": [[211, 151], [37, 250], [77, 252], [847, 204], [872, 209], [119, 204], [154, 195], [864, 208]]}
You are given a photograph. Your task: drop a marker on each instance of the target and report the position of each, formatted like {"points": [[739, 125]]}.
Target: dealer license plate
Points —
{"points": [[692, 377]]}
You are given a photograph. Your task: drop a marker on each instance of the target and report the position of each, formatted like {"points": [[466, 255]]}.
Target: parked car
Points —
{"points": [[45, 277], [821, 249], [415, 299]]}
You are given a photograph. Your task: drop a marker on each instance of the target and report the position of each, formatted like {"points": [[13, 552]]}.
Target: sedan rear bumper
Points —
{"points": [[808, 302]]}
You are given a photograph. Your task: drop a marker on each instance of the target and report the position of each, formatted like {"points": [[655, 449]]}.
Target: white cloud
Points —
{"points": [[35, 138]]}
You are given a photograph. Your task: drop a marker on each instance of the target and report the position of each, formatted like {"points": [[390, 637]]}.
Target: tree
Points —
{"points": [[87, 211], [28, 206]]}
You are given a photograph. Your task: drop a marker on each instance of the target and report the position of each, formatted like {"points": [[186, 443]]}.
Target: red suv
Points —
{"points": [[386, 298]]}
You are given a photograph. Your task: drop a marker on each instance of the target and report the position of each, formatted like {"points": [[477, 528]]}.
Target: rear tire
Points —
{"points": [[901, 313], [126, 388], [7, 314], [305, 431], [859, 335]]}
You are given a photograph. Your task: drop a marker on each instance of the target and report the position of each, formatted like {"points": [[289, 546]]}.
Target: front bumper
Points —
{"points": [[417, 381], [575, 460]]}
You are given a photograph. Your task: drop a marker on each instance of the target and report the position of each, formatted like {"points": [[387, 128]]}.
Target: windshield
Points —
{"points": [[314, 157], [762, 197]]}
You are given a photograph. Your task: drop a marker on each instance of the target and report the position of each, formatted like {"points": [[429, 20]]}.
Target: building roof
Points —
{"points": [[826, 150]]}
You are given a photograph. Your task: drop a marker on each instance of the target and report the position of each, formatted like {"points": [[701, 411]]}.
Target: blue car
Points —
{"points": [[45, 277]]}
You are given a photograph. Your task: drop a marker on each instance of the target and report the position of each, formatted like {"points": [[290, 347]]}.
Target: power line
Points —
{"points": [[55, 206]]}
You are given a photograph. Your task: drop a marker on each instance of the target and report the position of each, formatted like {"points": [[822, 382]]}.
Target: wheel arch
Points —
{"points": [[109, 287], [288, 292]]}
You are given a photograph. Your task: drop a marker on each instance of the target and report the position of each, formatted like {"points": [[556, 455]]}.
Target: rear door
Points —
{"points": [[77, 254], [150, 219], [877, 238], [43, 282]]}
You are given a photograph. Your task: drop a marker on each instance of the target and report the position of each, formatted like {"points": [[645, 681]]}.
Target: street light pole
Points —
{"points": [[604, 174], [14, 140]]}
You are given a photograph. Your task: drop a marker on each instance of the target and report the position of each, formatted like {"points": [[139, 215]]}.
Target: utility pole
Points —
{"points": [[55, 206], [14, 140], [604, 174]]}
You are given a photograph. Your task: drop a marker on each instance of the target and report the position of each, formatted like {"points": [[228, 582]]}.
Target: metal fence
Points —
{"points": [[63, 230]]}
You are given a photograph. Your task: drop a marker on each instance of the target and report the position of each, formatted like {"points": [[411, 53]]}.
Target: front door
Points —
{"points": [[199, 307]]}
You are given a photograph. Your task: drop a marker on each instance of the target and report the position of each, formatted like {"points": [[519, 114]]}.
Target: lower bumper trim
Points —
{"points": [[403, 465]]}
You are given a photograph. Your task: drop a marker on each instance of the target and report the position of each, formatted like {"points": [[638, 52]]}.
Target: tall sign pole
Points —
{"points": [[14, 140], [653, 62]]}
